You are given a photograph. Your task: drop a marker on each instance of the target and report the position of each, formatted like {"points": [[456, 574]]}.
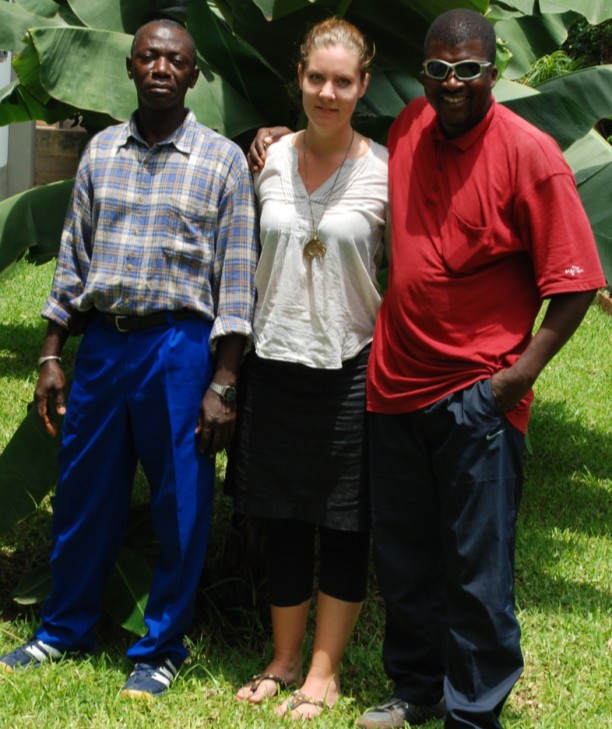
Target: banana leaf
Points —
{"points": [[568, 107], [46, 8], [595, 11], [28, 471], [125, 594], [240, 63], [117, 15], [32, 221], [67, 56], [127, 590], [18, 105], [15, 23]]}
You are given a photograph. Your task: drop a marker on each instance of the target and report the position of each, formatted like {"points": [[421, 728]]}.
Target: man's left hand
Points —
{"points": [[215, 424], [509, 388]]}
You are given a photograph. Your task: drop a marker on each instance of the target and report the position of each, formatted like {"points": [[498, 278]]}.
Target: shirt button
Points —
{"points": [[130, 267], [136, 231], [141, 198], [126, 300]]}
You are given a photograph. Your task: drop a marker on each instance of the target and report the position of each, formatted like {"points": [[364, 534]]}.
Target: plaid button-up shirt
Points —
{"points": [[169, 227]]}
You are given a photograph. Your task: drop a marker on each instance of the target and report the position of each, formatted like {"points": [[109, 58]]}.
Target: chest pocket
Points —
{"points": [[190, 233], [465, 247]]}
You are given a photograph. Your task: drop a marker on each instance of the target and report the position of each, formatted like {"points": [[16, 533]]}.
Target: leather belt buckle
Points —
{"points": [[118, 326]]}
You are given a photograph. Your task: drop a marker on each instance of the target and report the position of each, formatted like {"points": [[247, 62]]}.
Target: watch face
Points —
{"points": [[230, 394]]}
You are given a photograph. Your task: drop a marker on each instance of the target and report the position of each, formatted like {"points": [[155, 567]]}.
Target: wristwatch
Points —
{"points": [[226, 392]]}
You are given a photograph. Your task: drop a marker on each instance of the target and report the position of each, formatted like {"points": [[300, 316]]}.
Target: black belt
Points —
{"points": [[137, 323]]}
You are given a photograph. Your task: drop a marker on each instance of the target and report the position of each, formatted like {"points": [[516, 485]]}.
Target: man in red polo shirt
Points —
{"points": [[486, 224]]}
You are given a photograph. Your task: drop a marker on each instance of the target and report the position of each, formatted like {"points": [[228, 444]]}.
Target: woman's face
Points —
{"points": [[331, 85]]}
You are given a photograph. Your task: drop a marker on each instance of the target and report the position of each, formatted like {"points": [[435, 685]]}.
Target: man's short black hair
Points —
{"points": [[460, 25], [166, 23]]}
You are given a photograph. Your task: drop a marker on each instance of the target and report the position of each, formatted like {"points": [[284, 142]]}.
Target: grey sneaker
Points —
{"points": [[394, 713]]}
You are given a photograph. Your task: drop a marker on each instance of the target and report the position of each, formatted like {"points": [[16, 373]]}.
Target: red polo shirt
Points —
{"points": [[484, 227]]}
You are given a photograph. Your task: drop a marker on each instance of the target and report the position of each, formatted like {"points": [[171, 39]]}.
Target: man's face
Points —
{"points": [[460, 105], [162, 67]]}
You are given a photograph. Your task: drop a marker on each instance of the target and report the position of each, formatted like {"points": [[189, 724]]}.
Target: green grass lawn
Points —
{"points": [[564, 567]]}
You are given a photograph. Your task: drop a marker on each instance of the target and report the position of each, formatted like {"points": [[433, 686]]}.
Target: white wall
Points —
{"points": [[17, 146]]}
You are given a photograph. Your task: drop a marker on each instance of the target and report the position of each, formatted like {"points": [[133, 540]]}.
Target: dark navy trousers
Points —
{"points": [[446, 483], [135, 397]]}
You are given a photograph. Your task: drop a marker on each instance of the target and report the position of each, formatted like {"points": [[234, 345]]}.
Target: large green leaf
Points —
{"points": [[46, 8], [28, 471], [127, 590], [273, 9], [15, 22], [568, 107], [125, 16], [18, 105], [389, 92], [595, 11], [218, 105], [115, 15], [32, 221], [86, 69], [241, 64], [33, 587], [50, 9], [125, 594], [27, 68], [531, 37]]}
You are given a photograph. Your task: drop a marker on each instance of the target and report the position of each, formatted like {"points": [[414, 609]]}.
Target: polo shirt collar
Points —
{"points": [[464, 141]]}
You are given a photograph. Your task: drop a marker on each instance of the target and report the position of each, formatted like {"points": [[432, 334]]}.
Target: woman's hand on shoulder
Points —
{"points": [[263, 139]]}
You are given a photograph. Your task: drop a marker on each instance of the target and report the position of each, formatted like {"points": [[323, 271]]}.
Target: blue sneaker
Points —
{"points": [[148, 680], [30, 655]]}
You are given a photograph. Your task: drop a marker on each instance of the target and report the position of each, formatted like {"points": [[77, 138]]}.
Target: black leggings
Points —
{"points": [[343, 558]]}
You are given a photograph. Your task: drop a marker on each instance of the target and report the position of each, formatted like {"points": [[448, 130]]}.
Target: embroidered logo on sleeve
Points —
{"points": [[574, 271]]}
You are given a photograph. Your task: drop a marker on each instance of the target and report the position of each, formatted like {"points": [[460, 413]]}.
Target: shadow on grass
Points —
{"points": [[562, 473], [20, 347], [565, 501]]}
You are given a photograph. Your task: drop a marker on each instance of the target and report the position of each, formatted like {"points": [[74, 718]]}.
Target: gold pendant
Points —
{"points": [[314, 248]]}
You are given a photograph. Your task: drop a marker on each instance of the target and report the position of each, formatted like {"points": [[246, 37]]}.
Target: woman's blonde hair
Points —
{"points": [[337, 32]]}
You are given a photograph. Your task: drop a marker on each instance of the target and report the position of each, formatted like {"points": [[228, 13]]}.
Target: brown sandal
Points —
{"points": [[298, 698], [259, 678]]}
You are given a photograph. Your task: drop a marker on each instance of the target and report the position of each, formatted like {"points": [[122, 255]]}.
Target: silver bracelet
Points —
{"points": [[47, 358]]}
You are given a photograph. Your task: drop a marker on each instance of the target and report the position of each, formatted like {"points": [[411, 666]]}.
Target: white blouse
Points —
{"points": [[319, 312]]}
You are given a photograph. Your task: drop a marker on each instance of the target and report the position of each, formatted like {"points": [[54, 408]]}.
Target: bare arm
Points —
{"points": [[564, 314]]}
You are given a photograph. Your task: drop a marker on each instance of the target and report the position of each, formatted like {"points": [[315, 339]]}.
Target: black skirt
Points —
{"points": [[299, 450]]}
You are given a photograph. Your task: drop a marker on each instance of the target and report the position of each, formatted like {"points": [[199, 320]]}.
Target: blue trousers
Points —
{"points": [[135, 397], [445, 487]]}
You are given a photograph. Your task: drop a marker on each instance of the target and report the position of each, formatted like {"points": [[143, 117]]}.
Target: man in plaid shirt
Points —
{"points": [[158, 256]]}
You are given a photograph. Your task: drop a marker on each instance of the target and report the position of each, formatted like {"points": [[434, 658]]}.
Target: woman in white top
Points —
{"points": [[298, 459]]}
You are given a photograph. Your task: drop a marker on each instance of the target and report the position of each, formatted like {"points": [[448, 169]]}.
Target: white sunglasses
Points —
{"points": [[463, 70]]}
